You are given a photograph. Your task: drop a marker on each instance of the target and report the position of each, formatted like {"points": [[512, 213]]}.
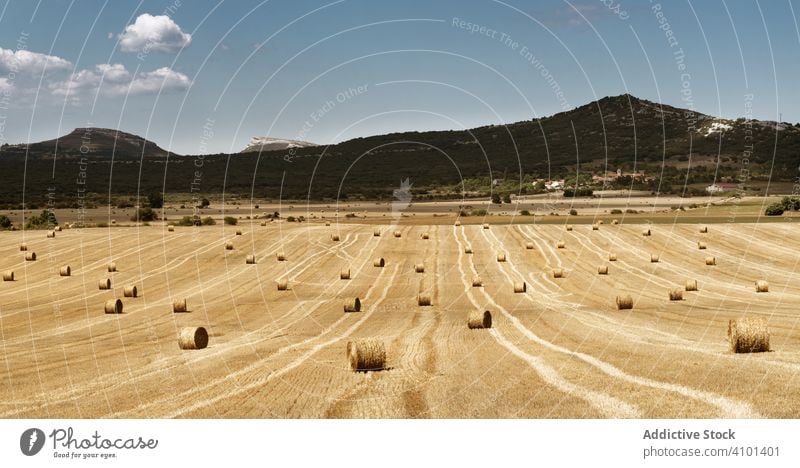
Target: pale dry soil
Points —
{"points": [[560, 350]]}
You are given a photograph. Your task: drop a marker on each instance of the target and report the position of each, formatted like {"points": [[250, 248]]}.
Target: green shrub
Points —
{"points": [[45, 220], [230, 221], [525, 213], [630, 211], [616, 211], [775, 209], [155, 200], [573, 212], [144, 214], [189, 221], [208, 221], [5, 222], [291, 219]]}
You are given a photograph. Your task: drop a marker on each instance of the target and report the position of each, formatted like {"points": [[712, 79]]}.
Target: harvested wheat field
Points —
{"points": [[560, 349]]}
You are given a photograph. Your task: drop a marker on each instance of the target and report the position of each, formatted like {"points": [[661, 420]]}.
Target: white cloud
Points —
{"points": [[30, 63], [6, 86], [115, 80], [153, 33]]}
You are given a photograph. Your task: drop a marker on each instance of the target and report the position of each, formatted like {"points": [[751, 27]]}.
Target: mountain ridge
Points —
{"points": [[680, 146]]}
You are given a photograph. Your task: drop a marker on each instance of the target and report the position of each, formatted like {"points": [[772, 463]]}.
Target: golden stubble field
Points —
{"points": [[559, 350]]}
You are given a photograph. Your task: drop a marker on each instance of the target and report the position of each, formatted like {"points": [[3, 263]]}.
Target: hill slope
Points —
{"points": [[614, 132]]}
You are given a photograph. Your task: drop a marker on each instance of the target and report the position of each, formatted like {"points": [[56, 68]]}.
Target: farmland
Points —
{"points": [[561, 349]]}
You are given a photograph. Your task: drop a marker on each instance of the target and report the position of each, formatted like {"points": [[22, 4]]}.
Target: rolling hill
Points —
{"points": [[613, 132]]}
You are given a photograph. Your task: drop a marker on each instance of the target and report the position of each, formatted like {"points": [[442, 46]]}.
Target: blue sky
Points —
{"points": [[330, 71]]}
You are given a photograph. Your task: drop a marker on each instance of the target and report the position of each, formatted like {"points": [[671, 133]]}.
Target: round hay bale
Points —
{"points": [[335, 237], [57, 228], [423, 300], [51, 234], [419, 268], [65, 271], [600, 221], [486, 225], [501, 257], [704, 229], [397, 234], [569, 227], [646, 232], [595, 227], [425, 236], [130, 291], [479, 319], [560, 244], [467, 250], [353, 305], [180, 306], [263, 223], [238, 232], [192, 338], [691, 285], [762, 286], [676, 294], [612, 257], [529, 246], [458, 223], [112, 267], [710, 261], [379, 263], [624, 302], [8, 275], [558, 273], [170, 228], [653, 258], [250, 260], [283, 285], [477, 282], [748, 335], [281, 256], [30, 257], [602, 270], [327, 223], [376, 233], [520, 287], [23, 247], [113, 306], [614, 221], [344, 274], [701, 245], [229, 246], [366, 355], [104, 284]]}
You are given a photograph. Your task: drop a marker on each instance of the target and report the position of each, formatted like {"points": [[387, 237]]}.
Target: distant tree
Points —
{"points": [[573, 212], [45, 220], [144, 215], [155, 200], [507, 198], [204, 203], [496, 199], [5, 222]]}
